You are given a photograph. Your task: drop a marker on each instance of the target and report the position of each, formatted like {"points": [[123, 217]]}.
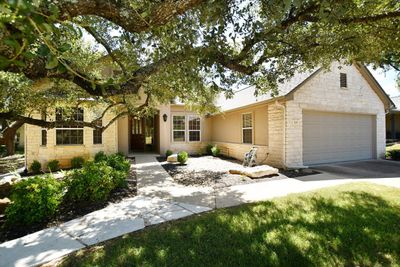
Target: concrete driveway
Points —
{"points": [[368, 169]]}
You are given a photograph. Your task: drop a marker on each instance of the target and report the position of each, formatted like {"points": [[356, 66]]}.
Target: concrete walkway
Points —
{"points": [[153, 180], [129, 215], [159, 199]]}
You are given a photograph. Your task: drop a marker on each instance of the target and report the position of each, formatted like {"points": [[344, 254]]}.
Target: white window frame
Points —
{"points": [[75, 128], [188, 128], [173, 130], [248, 128]]}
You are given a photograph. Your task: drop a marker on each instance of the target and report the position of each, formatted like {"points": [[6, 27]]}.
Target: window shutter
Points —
{"points": [[343, 80]]}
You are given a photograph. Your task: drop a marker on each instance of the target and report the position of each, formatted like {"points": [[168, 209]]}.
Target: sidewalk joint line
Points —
{"points": [[73, 237]]}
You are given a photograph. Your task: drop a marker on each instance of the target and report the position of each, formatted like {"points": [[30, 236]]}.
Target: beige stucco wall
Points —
{"points": [[123, 135], [227, 127], [190, 147], [323, 93], [226, 132], [64, 153]]}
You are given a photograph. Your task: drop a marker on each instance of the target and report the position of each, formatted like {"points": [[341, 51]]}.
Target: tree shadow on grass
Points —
{"points": [[352, 228]]}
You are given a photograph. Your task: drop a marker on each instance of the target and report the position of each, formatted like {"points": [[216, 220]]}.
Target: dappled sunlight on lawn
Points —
{"points": [[353, 224]]}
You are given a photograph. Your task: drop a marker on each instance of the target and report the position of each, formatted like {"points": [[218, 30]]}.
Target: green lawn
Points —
{"points": [[354, 224]]}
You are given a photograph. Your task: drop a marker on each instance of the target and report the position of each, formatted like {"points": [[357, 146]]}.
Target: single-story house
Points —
{"points": [[318, 117], [393, 121]]}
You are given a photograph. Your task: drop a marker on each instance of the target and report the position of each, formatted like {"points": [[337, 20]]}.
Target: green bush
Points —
{"points": [[118, 162], [77, 162], [215, 151], [393, 154], [168, 153], [121, 168], [34, 200], [53, 165], [35, 167], [208, 149], [183, 157], [92, 183], [100, 156]]}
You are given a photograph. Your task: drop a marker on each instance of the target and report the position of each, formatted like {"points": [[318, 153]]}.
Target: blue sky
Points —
{"points": [[387, 80]]}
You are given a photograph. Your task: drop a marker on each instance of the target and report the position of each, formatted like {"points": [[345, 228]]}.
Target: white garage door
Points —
{"points": [[333, 137]]}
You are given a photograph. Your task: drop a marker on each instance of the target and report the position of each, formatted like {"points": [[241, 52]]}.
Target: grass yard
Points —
{"points": [[351, 225]]}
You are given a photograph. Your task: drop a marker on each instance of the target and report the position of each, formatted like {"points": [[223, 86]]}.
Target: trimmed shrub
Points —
{"points": [[119, 178], [35, 167], [53, 165], [100, 156], [215, 151], [208, 149], [92, 183], [34, 200], [183, 157], [393, 154], [168, 153], [118, 162], [77, 162], [121, 167]]}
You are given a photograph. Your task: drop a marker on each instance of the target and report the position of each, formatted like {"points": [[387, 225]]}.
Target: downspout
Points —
{"points": [[284, 133]]}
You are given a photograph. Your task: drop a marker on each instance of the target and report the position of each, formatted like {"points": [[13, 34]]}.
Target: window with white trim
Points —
{"points": [[69, 134], [178, 128], [194, 128], [247, 128]]}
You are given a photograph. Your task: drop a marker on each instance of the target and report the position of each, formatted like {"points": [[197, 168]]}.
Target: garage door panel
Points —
{"points": [[334, 137]]}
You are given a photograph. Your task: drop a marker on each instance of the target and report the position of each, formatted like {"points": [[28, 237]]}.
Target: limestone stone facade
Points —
{"points": [[277, 129], [34, 150], [323, 93]]}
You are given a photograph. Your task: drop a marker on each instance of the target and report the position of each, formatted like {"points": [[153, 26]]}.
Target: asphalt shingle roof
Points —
{"points": [[246, 96]]}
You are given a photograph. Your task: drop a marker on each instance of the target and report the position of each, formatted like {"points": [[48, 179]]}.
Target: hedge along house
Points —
{"points": [[318, 117]]}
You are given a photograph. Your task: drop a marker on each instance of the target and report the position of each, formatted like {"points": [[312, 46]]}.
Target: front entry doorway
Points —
{"points": [[144, 134]]}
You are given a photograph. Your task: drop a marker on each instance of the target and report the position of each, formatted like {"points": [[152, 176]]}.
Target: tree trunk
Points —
{"points": [[10, 146], [9, 137]]}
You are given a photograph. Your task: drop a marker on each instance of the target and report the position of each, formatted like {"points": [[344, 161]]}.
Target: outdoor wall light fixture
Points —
{"points": [[165, 117]]}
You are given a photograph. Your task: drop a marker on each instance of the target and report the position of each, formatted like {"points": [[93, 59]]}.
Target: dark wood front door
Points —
{"points": [[137, 134]]}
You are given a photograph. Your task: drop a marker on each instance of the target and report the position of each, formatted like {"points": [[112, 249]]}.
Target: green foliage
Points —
{"points": [[183, 157], [393, 154], [121, 167], [100, 156], [92, 183], [209, 148], [53, 165], [77, 162], [118, 162], [168, 153], [35, 167], [95, 180], [215, 151], [34, 200]]}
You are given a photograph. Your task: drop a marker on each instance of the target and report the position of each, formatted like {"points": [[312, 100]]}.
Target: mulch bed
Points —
{"points": [[69, 211], [217, 179]]}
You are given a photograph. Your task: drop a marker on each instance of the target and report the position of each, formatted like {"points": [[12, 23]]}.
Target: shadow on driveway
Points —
{"points": [[355, 170]]}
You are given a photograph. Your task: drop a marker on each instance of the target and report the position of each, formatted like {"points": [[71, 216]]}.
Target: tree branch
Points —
{"points": [[126, 16], [104, 43]]}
